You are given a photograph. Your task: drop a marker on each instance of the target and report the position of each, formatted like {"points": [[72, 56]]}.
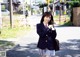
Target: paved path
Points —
{"points": [[69, 43]]}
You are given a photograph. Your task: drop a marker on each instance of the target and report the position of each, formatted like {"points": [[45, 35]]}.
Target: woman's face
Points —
{"points": [[47, 19]]}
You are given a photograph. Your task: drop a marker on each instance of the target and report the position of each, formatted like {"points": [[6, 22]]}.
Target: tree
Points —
{"points": [[74, 3]]}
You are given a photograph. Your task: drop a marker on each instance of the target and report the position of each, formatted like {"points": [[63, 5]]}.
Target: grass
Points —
{"points": [[63, 19], [14, 32]]}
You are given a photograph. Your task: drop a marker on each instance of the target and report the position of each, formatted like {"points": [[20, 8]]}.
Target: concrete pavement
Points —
{"points": [[68, 36], [69, 43]]}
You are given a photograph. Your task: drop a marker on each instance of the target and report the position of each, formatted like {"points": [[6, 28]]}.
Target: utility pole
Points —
{"points": [[11, 13]]}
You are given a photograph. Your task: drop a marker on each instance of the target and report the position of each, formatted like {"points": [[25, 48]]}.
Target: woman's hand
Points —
{"points": [[51, 27]]}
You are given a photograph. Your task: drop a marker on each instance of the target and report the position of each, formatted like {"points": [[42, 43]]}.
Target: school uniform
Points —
{"points": [[47, 37]]}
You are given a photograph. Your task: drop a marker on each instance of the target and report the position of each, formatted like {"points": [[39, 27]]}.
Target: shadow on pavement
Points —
{"points": [[29, 50], [71, 48]]}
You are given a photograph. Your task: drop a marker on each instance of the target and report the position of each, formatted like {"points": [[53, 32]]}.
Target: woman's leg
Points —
{"points": [[50, 53], [47, 53], [42, 53], [48, 56]]}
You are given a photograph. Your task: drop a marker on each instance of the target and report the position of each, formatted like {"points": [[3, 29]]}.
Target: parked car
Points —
{"points": [[5, 12]]}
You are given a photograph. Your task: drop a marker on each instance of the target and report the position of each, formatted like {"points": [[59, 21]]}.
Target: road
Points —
{"points": [[33, 20], [69, 37], [69, 43]]}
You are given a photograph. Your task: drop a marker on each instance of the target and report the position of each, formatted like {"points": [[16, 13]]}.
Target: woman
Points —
{"points": [[47, 35]]}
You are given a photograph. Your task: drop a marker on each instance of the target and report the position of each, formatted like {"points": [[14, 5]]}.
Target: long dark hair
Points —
{"points": [[47, 14]]}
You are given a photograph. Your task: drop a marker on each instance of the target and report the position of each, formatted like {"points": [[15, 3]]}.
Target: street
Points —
{"points": [[33, 20], [69, 43]]}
